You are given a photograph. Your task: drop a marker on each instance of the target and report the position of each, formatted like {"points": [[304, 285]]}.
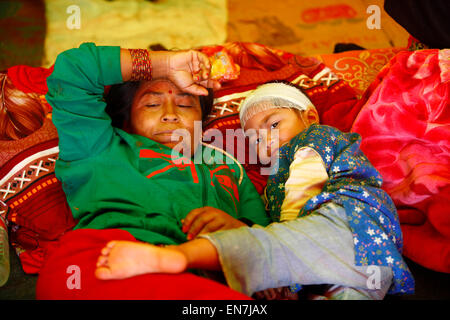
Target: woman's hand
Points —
{"points": [[208, 219], [190, 71]]}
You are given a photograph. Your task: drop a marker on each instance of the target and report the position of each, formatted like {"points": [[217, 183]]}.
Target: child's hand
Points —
{"points": [[208, 219]]}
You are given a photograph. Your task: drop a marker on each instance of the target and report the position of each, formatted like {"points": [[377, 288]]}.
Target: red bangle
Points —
{"points": [[141, 65]]}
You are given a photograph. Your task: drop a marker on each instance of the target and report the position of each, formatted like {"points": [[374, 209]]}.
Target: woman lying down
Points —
{"points": [[120, 168]]}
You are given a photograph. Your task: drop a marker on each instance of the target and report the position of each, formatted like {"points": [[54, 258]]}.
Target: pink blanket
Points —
{"points": [[405, 125]]}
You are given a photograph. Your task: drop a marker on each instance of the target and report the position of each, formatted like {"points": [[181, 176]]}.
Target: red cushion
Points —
{"points": [[33, 201]]}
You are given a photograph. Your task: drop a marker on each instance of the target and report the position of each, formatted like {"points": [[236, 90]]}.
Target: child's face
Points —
{"points": [[279, 126]]}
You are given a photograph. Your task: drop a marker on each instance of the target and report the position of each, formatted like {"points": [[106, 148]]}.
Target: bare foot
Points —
{"points": [[125, 259]]}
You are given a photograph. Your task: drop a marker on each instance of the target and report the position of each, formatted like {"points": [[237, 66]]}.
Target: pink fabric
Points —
{"points": [[405, 125]]}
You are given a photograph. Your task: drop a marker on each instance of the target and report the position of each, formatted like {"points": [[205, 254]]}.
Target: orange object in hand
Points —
{"points": [[222, 67]]}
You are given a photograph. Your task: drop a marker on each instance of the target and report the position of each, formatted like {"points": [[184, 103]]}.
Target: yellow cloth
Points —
{"points": [[307, 175], [176, 24]]}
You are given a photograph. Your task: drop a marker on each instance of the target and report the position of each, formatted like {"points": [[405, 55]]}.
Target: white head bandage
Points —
{"points": [[273, 95]]}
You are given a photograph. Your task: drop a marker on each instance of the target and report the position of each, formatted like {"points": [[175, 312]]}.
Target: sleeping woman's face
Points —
{"points": [[159, 108]]}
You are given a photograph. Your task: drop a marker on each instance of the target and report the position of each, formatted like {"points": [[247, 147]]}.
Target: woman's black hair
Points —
{"points": [[120, 98]]}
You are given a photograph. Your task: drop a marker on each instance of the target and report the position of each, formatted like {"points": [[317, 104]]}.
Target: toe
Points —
{"points": [[103, 273], [108, 247], [105, 251], [111, 244], [102, 261]]}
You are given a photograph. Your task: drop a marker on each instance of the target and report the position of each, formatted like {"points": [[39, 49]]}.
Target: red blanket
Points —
{"points": [[405, 125]]}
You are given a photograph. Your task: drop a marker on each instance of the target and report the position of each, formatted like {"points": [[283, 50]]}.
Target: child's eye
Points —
{"points": [[274, 125], [257, 140]]}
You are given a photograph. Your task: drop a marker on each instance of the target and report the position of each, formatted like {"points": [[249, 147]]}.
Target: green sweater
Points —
{"points": [[113, 179]]}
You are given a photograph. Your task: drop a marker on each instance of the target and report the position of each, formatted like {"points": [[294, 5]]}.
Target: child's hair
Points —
{"points": [[270, 95], [20, 113], [119, 99]]}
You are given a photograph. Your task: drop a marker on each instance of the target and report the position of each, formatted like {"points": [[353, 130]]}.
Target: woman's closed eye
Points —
{"points": [[152, 105], [184, 106]]}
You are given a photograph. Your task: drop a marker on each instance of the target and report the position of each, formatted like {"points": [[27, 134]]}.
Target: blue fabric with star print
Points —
{"points": [[356, 185]]}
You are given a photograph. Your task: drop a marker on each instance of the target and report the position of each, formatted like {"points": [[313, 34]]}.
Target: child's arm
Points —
{"points": [[307, 176]]}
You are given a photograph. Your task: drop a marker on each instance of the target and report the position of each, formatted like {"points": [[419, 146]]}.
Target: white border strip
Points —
{"points": [[232, 96], [26, 161], [322, 73]]}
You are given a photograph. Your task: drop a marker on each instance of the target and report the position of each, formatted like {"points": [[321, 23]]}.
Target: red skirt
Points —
{"points": [[68, 274]]}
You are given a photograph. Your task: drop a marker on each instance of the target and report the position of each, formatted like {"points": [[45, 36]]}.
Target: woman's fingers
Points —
{"points": [[199, 223], [212, 226], [200, 65], [187, 221], [191, 71], [195, 64], [209, 83], [195, 221], [201, 70], [204, 61], [196, 89]]}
